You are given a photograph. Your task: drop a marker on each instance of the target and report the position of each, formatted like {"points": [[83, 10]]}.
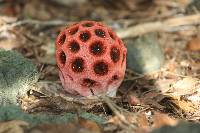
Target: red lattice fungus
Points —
{"points": [[91, 59]]}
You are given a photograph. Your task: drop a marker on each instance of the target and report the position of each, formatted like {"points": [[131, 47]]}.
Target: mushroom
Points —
{"points": [[91, 59]]}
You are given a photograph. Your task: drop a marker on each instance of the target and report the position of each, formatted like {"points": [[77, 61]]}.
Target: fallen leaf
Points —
{"points": [[14, 126], [71, 127], [185, 86], [114, 120], [143, 121], [91, 125], [181, 127], [160, 120], [164, 84], [194, 44], [129, 118], [186, 106], [9, 44]]}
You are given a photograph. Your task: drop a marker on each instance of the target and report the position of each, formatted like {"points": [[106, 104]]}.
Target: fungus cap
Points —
{"points": [[91, 59]]}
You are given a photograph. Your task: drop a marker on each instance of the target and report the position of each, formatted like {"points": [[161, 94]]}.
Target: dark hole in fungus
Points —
{"points": [[115, 54], [78, 65], [101, 68], [87, 25], [88, 82], [100, 33], [62, 58], [97, 48], [85, 36], [111, 35], [73, 30], [115, 77], [74, 46], [62, 39]]}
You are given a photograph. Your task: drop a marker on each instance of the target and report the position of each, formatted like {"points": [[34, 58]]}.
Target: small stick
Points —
{"points": [[124, 122], [30, 21], [169, 25]]}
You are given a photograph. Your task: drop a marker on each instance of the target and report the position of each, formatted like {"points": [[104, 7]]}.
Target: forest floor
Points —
{"points": [[144, 101]]}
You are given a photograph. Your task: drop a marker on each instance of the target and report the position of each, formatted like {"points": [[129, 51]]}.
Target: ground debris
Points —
{"points": [[144, 101]]}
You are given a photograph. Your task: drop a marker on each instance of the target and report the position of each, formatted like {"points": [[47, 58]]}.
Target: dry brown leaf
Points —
{"points": [[91, 125], [9, 44], [130, 118], [168, 50], [160, 120], [142, 121], [164, 84], [139, 119], [186, 106], [72, 127], [14, 126], [185, 86], [194, 44], [172, 66], [114, 120]]}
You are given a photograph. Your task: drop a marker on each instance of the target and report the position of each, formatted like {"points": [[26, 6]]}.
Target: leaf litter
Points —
{"points": [[144, 101]]}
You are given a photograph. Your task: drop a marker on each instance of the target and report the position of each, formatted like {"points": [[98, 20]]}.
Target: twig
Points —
{"points": [[30, 21], [169, 25], [125, 123]]}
